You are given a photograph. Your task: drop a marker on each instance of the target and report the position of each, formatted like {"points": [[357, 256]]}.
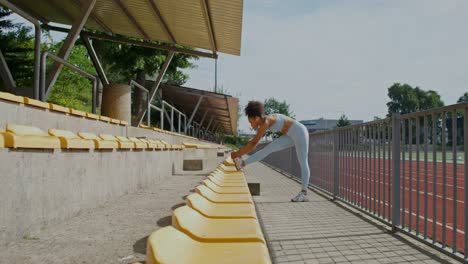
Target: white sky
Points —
{"points": [[331, 57]]}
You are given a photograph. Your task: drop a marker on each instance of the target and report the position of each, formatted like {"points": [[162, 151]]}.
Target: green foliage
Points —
{"points": [[234, 140], [273, 106], [72, 89], [463, 98], [343, 121], [405, 99], [17, 46], [124, 62]]}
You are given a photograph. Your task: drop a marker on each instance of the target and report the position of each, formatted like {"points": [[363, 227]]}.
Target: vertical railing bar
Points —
{"points": [[426, 134], [444, 181], [410, 165], [417, 174], [403, 176], [455, 178]]}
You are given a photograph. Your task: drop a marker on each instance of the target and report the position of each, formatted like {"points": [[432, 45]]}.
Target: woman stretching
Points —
{"points": [[294, 134]]}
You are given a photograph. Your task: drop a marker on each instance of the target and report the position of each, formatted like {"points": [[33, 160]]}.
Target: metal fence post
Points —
{"points": [[336, 182], [396, 172]]}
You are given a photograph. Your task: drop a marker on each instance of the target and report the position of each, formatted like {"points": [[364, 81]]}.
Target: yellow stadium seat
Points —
{"points": [[77, 112], [151, 145], [122, 143], [167, 145], [229, 173], [222, 198], [2, 140], [92, 116], [169, 245], [69, 140], [227, 169], [36, 103], [145, 126], [205, 229], [11, 97], [115, 121], [227, 183], [17, 136], [219, 210], [158, 144], [228, 178], [98, 142], [225, 190], [59, 108], [138, 143], [190, 145], [229, 162], [104, 118]]}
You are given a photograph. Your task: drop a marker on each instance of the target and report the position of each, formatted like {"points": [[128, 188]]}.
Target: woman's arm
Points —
{"points": [[253, 142]]}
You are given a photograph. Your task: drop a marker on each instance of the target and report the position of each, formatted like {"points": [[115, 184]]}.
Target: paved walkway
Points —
{"points": [[322, 231], [113, 233]]}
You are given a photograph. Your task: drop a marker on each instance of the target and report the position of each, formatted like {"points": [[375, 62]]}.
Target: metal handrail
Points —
{"points": [[45, 94]]}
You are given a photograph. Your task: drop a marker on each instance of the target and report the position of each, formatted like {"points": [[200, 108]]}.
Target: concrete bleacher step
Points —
{"points": [[205, 229], [220, 210], [223, 198], [225, 189], [169, 245]]}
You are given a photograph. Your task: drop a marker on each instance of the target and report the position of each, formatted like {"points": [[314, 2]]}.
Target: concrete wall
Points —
{"points": [[40, 188]]}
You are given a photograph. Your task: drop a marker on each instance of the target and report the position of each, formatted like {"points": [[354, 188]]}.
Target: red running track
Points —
{"points": [[366, 185]]}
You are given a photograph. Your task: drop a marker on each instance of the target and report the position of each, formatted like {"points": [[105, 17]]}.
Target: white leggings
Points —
{"points": [[297, 136]]}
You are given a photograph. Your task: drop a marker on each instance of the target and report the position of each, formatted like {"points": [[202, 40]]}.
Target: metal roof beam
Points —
{"points": [[68, 45], [209, 24]]}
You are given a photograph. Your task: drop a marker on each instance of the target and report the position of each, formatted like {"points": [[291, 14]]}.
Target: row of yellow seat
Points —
{"points": [[166, 132], [218, 225], [18, 136], [58, 108]]}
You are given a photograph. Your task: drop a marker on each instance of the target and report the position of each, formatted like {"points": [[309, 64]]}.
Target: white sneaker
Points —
{"points": [[300, 197], [239, 164]]}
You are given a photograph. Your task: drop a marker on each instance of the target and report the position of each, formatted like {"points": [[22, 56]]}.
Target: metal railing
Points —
{"points": [[408, 171], [44, 94], [162, 112], [180, 115]]}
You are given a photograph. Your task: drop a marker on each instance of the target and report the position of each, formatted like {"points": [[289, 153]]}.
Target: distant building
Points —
{"points": [[324, 124]]}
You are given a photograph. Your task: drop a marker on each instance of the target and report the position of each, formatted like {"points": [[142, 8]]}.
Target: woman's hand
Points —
{"points": [[235, 154]]}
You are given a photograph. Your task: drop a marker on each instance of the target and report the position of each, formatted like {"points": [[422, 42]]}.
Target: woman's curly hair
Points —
{"points": [[254, 108]]}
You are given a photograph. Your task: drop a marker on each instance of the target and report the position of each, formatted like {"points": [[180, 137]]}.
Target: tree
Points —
{"points": [[72, 89], [125, 62], [273, 106], [405, 99], [17, 46], [343, 121], [463, 98]]}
